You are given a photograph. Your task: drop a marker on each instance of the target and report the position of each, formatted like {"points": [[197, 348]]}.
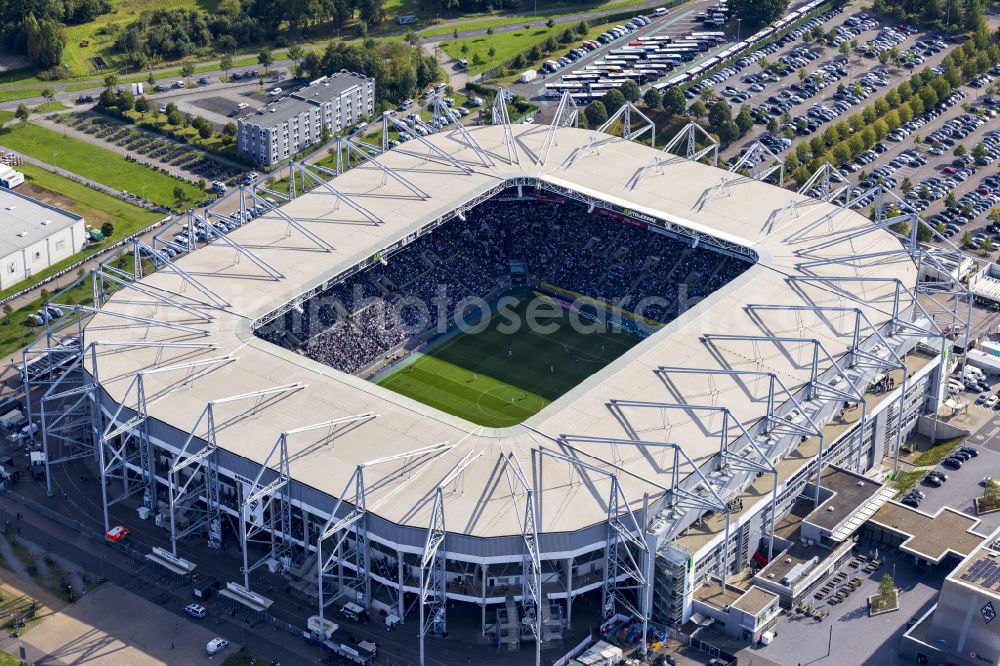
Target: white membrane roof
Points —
{"points": [[781, 227]]}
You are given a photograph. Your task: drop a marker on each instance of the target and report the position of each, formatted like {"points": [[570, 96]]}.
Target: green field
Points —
{"points": [[96, 163], [497, 378]]}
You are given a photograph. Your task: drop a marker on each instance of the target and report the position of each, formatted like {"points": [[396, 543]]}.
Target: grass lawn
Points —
{"points": [[11, 95], [95, 207], [904, 481], [48, 107], [8, 659], [77, 57], [548, 10], [95, 163], [499, 379], [5, 116], [937, 453], [506, 45]]}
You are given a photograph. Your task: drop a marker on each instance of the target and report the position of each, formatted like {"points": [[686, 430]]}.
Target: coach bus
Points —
{"points": [[717, 37]]}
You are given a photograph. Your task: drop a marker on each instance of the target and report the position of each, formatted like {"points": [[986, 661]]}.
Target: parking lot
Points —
{"points": [[965, 484], [217, 102], [848, 635], [825, 82]]}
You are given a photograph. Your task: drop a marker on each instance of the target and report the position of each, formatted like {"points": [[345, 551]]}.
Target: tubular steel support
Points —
{"points": [[625, 535], [501, 117], [433, 597], [567, 115], [630, 133], [531, 567], [754, 159], [818, 387], [349, 532]]}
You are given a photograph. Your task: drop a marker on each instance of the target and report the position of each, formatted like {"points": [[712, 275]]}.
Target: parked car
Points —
{"points": [[952, 462], [116, 533], [194, 610], [216, 645]]}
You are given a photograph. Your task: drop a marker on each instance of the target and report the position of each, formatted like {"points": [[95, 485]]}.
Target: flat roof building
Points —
{"points": [[293, 123], [34, 236], [962, 628]]}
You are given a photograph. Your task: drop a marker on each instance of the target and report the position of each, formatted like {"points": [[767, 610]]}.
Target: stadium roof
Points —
{"points": [[784, 230], [25, 221]]}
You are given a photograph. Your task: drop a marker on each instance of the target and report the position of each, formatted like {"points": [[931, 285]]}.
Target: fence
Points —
{"points": [[54, 515]]}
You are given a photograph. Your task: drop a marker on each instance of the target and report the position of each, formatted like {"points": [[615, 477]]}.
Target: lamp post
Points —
{"points": [[739, 29]]}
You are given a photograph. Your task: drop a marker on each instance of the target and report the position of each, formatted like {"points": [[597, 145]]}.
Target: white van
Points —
{"points": [[660, 11]]}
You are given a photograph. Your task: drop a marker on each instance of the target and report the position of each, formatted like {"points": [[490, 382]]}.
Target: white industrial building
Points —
{"points": [[33, 236], [292, 124]]}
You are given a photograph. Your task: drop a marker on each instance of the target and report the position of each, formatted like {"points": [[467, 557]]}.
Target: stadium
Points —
{"points": [[328, 385]]}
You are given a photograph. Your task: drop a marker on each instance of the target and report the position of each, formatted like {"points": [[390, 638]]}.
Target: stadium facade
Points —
{"points": [[663, 470]]}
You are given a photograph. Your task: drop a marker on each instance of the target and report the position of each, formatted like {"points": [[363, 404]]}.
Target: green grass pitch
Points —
{"points": [[498, 379]]}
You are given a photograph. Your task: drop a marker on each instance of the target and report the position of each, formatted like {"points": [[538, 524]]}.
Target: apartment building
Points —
{"points": [[293, 123]]}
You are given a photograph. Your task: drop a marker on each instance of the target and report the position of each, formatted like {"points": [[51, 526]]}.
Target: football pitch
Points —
{"points": [[498, 378]]}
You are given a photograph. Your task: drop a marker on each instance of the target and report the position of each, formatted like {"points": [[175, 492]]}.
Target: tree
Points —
{"points": [[549, 24], [174, 116], [887, 588], [718, 114], [477, 59], [492, 52], [22, 113], [142, 105], [187, 70], [613, 100], [125, 101], [631, 91], [967, 238], [581, 28], [980, 152], [226, 63], [179, 194], [107, 229], [698, 109], [729, 131], [230, 130], [959, 151], [110, 81], [674, 102], [652, 99], [744, 121], [994, 215], [757, 13], [803, 74], [489, 30], [950, 201], [596, 113], [265, 58], [566, 37], [907, 185], [49, 93], [295, 52]]}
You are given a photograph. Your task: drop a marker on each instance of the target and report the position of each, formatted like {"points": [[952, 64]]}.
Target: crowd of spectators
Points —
{"points": [[596, 254]]}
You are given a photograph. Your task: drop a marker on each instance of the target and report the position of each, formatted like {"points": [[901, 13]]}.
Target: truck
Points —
{"points": [[37, 462], [527, 76], [10, 418]]}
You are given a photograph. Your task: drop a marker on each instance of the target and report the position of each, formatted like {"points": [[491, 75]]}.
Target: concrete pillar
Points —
{"points": [[305, 530], [399, 564], [568, 564], [485, 570]]}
